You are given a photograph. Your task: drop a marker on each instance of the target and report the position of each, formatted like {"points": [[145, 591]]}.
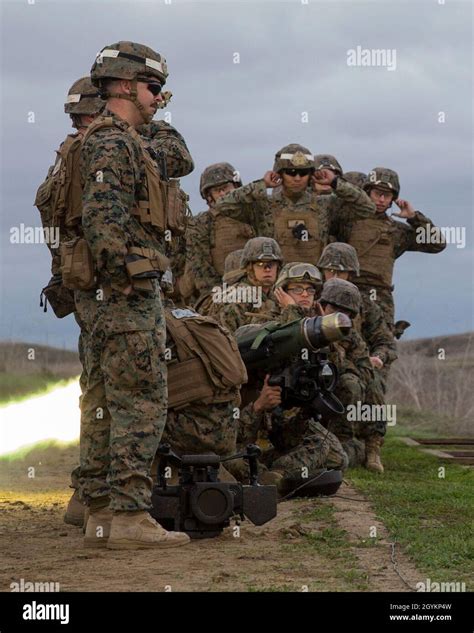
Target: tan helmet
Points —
{"points": [[327, 161], [340, 256], [216, 175], [128, 60], [356, 178], [299, 271], [261, 249], [232, 261], [83, 98], [341, 294], [383, 178], [293, 156]]}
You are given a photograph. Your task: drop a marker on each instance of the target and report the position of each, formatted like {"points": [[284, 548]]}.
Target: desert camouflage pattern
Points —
{"points": [[293, 156], [339, 256], [218, 174], [83, 98], [342, 294], [383, 178], [327, 161], [251, 204], [133, 60], [356, 178]]}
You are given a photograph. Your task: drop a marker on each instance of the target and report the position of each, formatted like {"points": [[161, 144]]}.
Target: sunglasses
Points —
{"points": [[297, 172], [298, 290], [153, 86]]}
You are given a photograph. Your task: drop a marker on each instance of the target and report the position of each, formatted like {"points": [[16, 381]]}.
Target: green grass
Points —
{"points": [[430, 516], [17, 387]]}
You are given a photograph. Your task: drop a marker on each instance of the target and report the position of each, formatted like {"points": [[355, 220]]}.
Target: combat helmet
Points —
{"points": [[293, 156], [128, 60], [341, 294], [232, 261], [356, 178], [384, 178], [261, 249], [327, 161], [340, 256], [299, 271], [83, 98], [216, 175]]}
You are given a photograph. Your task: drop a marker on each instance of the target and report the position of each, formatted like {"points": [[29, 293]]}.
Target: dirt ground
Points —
{"points": [[312, 545]]}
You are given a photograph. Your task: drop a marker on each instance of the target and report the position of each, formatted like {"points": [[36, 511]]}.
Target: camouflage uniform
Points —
{"points": [[351, 357], [236, 312], [273, 215], [371, 324], [83, 100], [125, 403], [393, 239], [214, 236], [297, 441]]}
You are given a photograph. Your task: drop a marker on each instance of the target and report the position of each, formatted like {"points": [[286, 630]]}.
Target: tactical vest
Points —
{"points": [[208, 367], [227, 235], [163, 208], [295, 250], [373, 240]]}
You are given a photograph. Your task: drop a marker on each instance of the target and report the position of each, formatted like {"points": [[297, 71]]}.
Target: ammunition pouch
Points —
{"points": [[60, 298], [77, 265], [143, 265]]}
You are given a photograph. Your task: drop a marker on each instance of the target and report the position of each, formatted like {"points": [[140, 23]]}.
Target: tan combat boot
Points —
{"points": [[98, 528], [75, 511], [138, 530], [373, 445]]}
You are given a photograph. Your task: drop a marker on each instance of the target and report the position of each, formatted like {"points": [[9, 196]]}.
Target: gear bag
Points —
{"points": [[208, 367]]}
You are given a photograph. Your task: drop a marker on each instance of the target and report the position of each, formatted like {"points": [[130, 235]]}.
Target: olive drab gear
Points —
{"points": [[340, 256], [132, 61], [208, 367], [83, 98], [341, 294], [298, 234], [372, 238], [356, 178], [326, 161], [384, 178], [216, 175], [293, 156], [299, 271], [226, 236], [260, 249]]}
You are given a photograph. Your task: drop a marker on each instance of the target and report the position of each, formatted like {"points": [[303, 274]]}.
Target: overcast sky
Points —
{"points": [[293, 58]]}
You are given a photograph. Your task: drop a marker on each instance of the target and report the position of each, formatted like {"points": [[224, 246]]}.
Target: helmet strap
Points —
{"points": [[133, 97]]}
